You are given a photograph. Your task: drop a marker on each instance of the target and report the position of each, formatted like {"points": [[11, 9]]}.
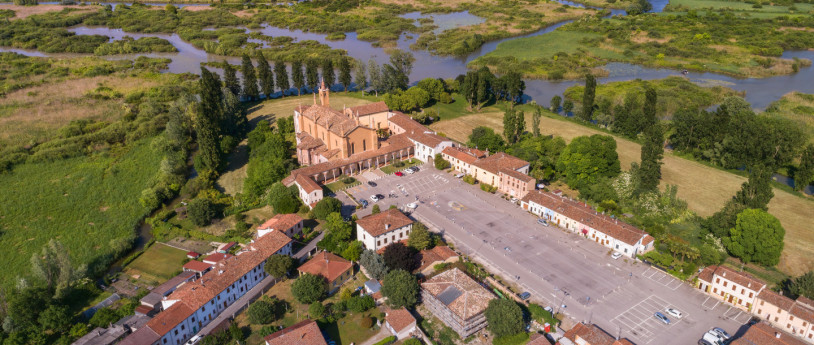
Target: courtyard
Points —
{"points": [[560, 269]]}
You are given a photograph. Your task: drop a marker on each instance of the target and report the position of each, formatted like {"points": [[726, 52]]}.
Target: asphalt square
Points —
{"points": [[662, 278], [639, 320]]}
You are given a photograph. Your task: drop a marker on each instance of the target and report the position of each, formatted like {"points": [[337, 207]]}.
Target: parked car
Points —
{"points": [[662, 318], [674, 312], [514, 200], [542, 221], [549, 310], [363, 202], [525, 295], [616, 255], [460, 175], [409, 171], [371, 183], [713, 338], [194, 340], [704, 342], [414, 168], [375, 198], [721, 332], [412, 205], [399, 173]]}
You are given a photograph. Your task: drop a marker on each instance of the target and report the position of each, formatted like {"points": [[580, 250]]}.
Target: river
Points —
{"points": [[759, 92]]}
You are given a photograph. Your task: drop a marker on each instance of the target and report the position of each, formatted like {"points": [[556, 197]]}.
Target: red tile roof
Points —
{"points": [[740, 278], [464, 154], [517, 175], [776, 299], [193, 295], [307, 184], [281, 222], [330, 119], [588, 216], [707, 273], [498, 161], [370, 108], [384, 222], [763, 334], [472, 298], [327, 265], [215, 258], [592, 335], [406, 123], [193, 254], [197, 266], [429, 257], [303, 333], [399, 319]]}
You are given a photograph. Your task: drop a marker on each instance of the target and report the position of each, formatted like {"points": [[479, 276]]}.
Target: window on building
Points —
{"points": [[725, 284], [760, 311], [791, 317], [717, 280], [775, 319], [176, 332], [183, 327], [751, 294]]}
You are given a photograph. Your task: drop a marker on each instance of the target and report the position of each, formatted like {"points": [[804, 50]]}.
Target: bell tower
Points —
{"points": [[324, 94]]}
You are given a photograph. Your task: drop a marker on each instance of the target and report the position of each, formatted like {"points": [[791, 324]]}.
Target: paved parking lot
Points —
{"points": [[559, 268]]}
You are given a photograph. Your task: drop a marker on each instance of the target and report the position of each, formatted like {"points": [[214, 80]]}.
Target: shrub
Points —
{"points": [[488, 188], [326, 206], [201, 211], [316, 310], [398, 164], [308, 288], [348, 180], [261, 312], [360, 304], [440, 162], [366, 322], [469, 179], [387, 340]]}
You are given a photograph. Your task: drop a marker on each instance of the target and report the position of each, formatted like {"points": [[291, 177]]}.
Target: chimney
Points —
{"points": [[777, 335], [387, 226]]}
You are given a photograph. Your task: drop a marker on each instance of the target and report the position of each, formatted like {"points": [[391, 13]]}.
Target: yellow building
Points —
{"points": [[325, 134]]}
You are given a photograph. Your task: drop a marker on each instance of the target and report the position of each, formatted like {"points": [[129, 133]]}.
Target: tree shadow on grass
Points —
{"points": [[331, 331]]}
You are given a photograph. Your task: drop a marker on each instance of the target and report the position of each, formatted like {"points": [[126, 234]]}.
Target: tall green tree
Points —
{"points": [[510, 126], [283, 82], [328, 73], [649, 107], [588, 98], [359, 75], [485, 138], [344, 73], [519, 124], [309, 288], [312, 74], [373, 264], [649, 173], [757, 191], [535, 120], [282, 199], [207, 120], [586, 159], [250, 90], [567, 107], [514, 86], [375, 73], [756, 237], [504, 317], [402, 61], [230, 79], [53, 268], [234, 121], [265, 75], [397, 256], [555, 103], [420, 237], [297, 77], [805, 171], [483, 88], [802, 285], [401, 289], [278, 265]]}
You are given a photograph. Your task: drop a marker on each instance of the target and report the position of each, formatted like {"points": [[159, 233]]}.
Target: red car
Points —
{"points": [[399, 173]]}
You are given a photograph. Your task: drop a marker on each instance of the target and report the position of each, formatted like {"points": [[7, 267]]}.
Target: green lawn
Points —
{"points": [[158, 263], [347, 330], [547, 45], [338, 185], [740, 6], [90, 204]]}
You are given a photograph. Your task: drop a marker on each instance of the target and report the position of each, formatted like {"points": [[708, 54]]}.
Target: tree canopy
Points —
{"points": [[586, 159], [326, 206], [397, 256], [373, 264], [278, 265], [401, 289], [504, 317], [485, 138], [756, 237], [420, 237], [309, 288]]}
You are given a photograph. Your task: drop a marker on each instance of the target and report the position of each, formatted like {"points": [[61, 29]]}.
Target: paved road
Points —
{"points": [[557, 267], [305, 251]]}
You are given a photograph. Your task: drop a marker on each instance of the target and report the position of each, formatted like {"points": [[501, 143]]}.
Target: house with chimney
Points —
{"points": [[335, 269], [377, 231], [580, 218], [194, 304]]}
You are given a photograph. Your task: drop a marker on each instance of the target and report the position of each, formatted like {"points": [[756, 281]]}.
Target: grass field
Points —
{"points": [[704, 188], [740, 6], [798, 107], [158, 263], [87, 203], [549, 44], [231, 181]]}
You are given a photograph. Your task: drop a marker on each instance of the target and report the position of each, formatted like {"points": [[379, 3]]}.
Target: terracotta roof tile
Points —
{"points": [[330, 119], [196, 266], [740, 278], [405, 122], [327, 265], [516, 175], [707, 273], [776, 299], [498, 161], [281, 222], [464, 154], [592, 335], [303, 333], [370, 108], [586, 215], [215, 258], [384, 222], [802, 311], [399, 319], [429, 257], [763, 334], [468, 297], [307, 183], [307, 142]]}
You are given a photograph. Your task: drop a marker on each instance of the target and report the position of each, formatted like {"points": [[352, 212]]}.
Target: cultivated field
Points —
{"points": [[159, 263], [704, 188]]}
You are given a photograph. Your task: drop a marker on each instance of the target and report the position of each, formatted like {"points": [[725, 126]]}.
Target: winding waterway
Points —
{"points": [[759, 92]]}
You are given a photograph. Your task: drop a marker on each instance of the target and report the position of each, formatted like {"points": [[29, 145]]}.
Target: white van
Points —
{"points": [[194, 340]]}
